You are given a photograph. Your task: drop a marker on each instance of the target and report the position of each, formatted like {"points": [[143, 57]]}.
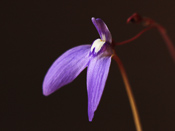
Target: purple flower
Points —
{"points": [[97, 59]]}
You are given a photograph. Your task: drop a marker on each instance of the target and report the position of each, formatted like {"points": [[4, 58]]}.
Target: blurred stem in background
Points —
{"points": [[149, 24]]}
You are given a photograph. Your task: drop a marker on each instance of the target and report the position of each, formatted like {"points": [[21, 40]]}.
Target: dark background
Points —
{"points": [[35, 33]]}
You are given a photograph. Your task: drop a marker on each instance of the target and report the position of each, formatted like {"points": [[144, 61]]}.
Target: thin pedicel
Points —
{"points": [[129, 93]]}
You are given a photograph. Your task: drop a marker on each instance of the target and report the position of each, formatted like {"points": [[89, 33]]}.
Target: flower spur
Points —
{"points": [[97, 57]]}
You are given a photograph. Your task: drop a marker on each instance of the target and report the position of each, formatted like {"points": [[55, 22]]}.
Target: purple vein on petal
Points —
{"points": [[96, 78], [66, 68]]}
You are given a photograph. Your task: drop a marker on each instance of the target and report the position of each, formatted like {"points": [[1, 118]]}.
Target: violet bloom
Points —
{"points": [[97, 57]]}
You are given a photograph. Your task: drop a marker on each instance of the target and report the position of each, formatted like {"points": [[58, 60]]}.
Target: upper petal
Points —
{"points": [[96, 78], [66, 68], [102, 29]]}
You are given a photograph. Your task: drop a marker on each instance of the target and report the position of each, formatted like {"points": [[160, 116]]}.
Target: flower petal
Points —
{"points": [[96, 78], [102, 29], [66, 68]]}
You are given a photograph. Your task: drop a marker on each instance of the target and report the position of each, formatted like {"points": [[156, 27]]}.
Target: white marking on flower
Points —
{"points": [[97, 44], [103, 37]]}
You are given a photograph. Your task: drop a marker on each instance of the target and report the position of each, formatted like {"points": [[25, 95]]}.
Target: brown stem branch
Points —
{"points": [[136, 36], [167, 40]]}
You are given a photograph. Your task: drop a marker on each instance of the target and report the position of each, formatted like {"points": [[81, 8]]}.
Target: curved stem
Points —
{"points": [[136, 18], [162, 31], [136, 36], [129, 92]]}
